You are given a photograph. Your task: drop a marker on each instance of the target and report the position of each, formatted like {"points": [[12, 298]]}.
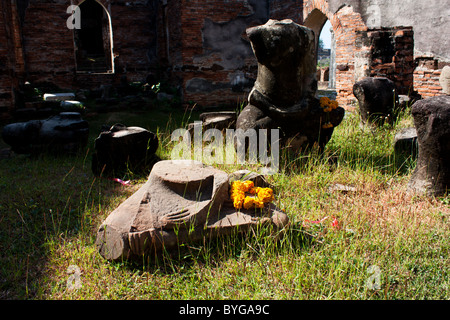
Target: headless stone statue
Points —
{"points": [[283, 95]]}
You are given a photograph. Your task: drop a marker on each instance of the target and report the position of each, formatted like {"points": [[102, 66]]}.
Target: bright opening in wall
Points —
{"points": [[324, 54], [93, 42], [325, 35]]}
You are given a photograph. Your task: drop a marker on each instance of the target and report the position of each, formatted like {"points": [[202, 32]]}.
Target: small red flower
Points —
{"points": [[335, 223]]}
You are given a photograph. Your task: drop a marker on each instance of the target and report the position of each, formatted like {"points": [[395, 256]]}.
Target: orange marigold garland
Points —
{"points": [[328, 105], [257, 198]]}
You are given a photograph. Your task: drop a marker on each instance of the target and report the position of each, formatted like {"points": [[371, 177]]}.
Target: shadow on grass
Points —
{"points": [[46, 200]]}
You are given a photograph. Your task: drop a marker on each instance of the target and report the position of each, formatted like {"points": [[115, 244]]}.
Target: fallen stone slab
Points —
{"points": [[59, 96], [220, 120], [183, 201], [64, 133], [71, 105], [341, 188]]}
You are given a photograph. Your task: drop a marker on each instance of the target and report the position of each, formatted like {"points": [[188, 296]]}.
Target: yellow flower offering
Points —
{"points": [[334, 104], [324, 101], [265, 194], [327, 104], [257, 198], [238, 200], [248, 185]]}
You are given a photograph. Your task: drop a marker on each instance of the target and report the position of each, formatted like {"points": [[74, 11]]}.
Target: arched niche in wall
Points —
{"points": [[93, 41]]}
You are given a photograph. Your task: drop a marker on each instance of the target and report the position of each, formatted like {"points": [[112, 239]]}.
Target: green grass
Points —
{"points": [[51, 207]]}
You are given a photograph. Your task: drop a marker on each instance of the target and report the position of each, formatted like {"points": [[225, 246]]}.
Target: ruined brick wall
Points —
{"points": [[199, 45], [49, 44], [392, 56], [400, 51], [426, 77], [11, 58], [217, 65], [169, 44], [134, 26], [389, 52], [209, 53], [5, 65], [282, 9], [346, 34], [347, 25], [356, 57], [360, 51], [170, 33], [429, 20]]}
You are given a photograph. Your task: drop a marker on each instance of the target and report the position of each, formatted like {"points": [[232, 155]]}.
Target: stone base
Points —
{"points": [[432, 122], [405, 142], [182, 202]]}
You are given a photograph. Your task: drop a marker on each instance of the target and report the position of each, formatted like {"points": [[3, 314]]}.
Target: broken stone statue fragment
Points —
{"points": [[405, 142], [65, 133], [377, 98], [444, 79], [182, 201], [220, 120], [284, 93], [432, 121], [122, 148]]}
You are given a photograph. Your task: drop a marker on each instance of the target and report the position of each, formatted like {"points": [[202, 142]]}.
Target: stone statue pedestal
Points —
{"points": [[432, 122], [183, 201]]}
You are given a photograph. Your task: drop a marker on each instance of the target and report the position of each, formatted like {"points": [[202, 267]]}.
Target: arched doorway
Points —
{"points": [[325, 55], [93, 41], [350, 55], [315, 21]]}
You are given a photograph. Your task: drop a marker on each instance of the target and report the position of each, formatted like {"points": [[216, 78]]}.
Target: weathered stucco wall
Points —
{"points": [[430, 20], [217, 64], [360, 25]]}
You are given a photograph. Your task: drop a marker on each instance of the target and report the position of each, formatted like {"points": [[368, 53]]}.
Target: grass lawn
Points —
{"points": [[387, 244]]}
